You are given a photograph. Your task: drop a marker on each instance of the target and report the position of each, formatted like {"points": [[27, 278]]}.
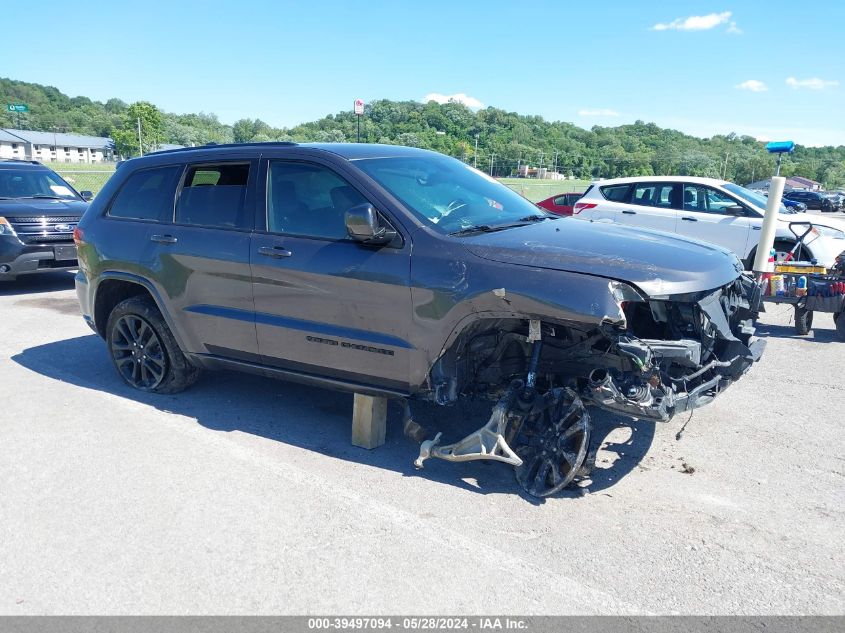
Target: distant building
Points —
{"points": [[793, 182], [55, 147]]}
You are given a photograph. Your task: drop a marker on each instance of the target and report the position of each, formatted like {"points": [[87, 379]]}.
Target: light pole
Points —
{"points": [[492, 157], [140, 146], [475, 156]]}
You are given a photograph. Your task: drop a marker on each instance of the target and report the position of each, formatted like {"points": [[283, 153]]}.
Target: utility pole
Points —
{"points": [[492, 157], [140, 146], [555, 167], [475, 156], [725, 170]]}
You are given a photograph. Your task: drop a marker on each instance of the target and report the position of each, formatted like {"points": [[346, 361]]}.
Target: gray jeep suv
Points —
{"points": [[399, 272]]}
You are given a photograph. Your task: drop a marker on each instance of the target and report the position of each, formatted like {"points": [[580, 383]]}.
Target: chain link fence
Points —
{"points": [[536, 190], [83, 179]]}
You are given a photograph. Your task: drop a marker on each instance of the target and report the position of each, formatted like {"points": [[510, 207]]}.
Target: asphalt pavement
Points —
{"points": [[243, 495]]}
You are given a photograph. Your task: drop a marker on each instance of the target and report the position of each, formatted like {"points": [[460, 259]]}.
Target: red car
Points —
{"points": [[560, 204]]}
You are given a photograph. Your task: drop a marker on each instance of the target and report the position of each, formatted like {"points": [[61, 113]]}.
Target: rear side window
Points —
{"points": [[147, 195], [215, 195], [561, 201], [615, 193], [662, 195]]}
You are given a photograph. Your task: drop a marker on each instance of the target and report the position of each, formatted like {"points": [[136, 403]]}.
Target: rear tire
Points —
{"points": [[803, 320], [839, 319], [144, 351]]}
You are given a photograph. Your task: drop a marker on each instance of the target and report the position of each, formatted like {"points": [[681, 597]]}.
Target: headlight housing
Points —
{"points": [[827, 231], [5, 227]]}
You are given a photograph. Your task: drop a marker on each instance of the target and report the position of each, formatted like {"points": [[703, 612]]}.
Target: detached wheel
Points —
{"points": [[803, 320], [553, 444], [144, 351]]}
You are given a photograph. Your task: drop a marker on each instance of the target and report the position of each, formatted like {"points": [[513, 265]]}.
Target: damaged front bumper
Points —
{"points": [[706, 343]]}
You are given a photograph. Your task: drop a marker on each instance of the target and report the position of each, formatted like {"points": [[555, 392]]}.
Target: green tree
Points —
{"points": [[152, 129]]}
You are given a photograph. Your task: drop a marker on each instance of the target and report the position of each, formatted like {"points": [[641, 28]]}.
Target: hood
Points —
{"points": [[657, 263], [817, 220], [36, 207]]}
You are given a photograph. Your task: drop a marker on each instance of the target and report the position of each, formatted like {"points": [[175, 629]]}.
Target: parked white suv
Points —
{"points": [[709, 210]]}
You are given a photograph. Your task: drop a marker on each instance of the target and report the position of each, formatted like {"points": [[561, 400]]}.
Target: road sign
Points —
{"points": [[359, 107], [17, 107]]}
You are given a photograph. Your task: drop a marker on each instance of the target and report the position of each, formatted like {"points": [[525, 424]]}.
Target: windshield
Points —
{"points": [[34, 183], [448, 194], [754, 198]]}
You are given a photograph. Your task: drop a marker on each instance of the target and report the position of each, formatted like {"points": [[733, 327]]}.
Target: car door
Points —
{"points": [[706, 216], [325, 304], [652, 205], [200, 262]]}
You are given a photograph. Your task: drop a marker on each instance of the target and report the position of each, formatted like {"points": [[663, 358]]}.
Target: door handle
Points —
{"points": [[629, 212], [276, 252], [163, 239], [756, 228], [688, 219]]}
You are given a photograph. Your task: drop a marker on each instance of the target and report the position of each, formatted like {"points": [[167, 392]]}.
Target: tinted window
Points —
{"points": [[656, 194], [561, 201], [147, 195], [309, 200], [615, 193], [215, 195]]}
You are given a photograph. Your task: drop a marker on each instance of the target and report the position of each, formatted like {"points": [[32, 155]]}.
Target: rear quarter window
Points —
{"points": [[615, 193], [147, 194]]}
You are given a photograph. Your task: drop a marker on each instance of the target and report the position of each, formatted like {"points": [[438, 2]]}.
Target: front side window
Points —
{"points": [[704, 199], [308, 200], [147, 195], [34, 183], [447, 194], [215, 196]]}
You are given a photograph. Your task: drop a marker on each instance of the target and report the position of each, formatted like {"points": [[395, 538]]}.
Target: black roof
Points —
{"points": [[350, 151]]}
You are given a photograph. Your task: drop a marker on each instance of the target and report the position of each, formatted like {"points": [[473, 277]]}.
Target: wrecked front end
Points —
{"points": [[657, 357], [677, 353]]}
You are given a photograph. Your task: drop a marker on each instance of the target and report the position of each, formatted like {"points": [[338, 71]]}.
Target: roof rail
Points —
{"points": [[20, 160], [213, 145]]}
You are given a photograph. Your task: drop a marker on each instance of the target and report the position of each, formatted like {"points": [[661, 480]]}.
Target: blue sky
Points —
{"points": [[774, 70]]}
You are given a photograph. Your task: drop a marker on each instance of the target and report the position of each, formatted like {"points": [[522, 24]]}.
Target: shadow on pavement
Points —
{"points": [[35, 283], [816, 335], [286, 412]]}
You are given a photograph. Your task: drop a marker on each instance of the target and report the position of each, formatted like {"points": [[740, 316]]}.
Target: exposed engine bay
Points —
{"points": [[664, 357]]}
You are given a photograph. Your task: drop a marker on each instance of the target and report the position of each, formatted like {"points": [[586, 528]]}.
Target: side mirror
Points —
{"points": [[362, 225], [88, 196], [736, 209]]}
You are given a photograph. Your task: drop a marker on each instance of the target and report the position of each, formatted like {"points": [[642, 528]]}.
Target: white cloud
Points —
{"points": [[733, 29], [754, 85], [458, 97], [598, 112], [698, 23], [813, 83]]}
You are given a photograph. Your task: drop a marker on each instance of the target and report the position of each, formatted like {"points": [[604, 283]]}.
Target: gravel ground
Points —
{"points": [[243, 495]]}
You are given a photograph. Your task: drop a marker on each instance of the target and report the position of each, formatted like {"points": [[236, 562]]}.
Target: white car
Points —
{"points": [[708, 210]]}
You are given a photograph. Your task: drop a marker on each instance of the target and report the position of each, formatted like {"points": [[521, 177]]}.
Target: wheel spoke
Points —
{"points": [[155, 372], [553, 447]]}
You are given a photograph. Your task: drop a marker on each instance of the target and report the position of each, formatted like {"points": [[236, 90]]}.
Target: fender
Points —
{"points": [[145, 283]]}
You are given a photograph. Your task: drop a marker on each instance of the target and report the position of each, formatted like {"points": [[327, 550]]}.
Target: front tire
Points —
{"points": [[839, 319], [144, 351]]}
